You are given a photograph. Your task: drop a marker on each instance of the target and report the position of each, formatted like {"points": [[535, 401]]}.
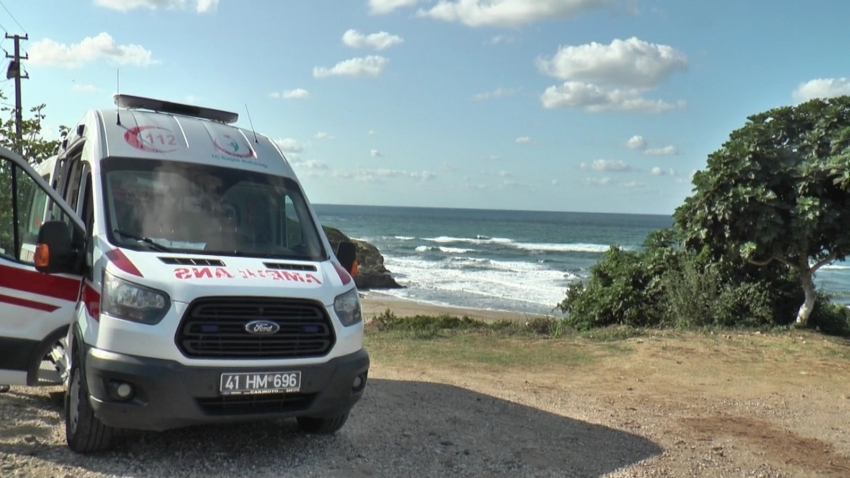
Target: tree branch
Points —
{"points": [[760, 263], [824, 262]]}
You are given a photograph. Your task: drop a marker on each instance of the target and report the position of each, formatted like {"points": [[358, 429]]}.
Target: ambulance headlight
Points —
{"points": [[347, 308], [124, 300]]}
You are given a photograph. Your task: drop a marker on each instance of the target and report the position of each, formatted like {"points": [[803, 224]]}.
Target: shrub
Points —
{"points": [[624, 289]]}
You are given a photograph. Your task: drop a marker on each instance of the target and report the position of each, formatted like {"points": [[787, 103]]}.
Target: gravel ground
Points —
{"points": [[400, 428], [677, 413]]}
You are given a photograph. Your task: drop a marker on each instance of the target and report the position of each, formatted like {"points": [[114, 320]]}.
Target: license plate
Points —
{"points": [[260, 383]]}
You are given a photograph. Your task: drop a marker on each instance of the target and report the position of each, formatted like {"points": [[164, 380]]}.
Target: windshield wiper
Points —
{"points": [[147, 240]]}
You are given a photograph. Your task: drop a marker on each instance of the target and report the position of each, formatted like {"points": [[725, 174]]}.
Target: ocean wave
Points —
{"points": [[551, 247], [526, 282], [476, 240], [836, 267], [447, 250], [526, 246], [404, 238]]}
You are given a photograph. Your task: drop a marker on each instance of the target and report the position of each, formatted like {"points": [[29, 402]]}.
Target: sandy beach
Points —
{"points": [[375, 303]]}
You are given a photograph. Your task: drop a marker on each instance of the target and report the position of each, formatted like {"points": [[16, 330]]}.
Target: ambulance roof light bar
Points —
{"points": [[139, 102]]}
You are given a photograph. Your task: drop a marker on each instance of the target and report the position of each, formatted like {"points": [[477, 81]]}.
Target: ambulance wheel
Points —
{"points": [[83, 431], [322, 426]]}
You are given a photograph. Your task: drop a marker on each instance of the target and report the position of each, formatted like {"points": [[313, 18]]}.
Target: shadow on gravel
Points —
{"points": [[400, 428]]}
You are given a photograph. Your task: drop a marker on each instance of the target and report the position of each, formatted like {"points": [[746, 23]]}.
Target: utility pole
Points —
{"points": [[14, 71]]}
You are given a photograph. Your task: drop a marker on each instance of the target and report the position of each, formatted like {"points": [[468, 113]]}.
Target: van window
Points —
{"points": [[168, 205], [32, 206]]}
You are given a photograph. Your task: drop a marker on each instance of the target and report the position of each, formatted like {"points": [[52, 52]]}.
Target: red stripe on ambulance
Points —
{"points": [[38, 283], [29, 304]]}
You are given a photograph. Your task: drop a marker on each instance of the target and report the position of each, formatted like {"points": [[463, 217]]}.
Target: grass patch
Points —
{"points": [[440, 326], [462, 341]]}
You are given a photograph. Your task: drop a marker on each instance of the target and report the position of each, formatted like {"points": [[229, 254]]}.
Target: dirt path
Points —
{"points": [[736, 405]]}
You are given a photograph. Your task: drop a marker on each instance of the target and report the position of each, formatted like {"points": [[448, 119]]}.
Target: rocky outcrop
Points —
{"points": [[371, 273]]}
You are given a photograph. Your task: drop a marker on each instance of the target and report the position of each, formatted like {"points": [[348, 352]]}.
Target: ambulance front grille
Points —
{"points": [[215, 328]]}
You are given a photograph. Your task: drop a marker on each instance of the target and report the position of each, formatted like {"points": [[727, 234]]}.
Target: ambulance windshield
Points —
{"points": [[200, 209]]}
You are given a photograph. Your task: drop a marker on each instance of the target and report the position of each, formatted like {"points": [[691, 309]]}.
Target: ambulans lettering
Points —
{"points": [[185, 273]]}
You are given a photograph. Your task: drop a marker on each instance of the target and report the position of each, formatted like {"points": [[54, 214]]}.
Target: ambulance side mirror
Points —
{"points": [[346, 252], [54, 253]]}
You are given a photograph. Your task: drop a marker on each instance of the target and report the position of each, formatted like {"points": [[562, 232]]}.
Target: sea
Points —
{"points": [[516, 261]]}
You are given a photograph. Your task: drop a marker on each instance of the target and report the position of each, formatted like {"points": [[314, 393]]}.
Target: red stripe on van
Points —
{"points": [[91, 297], [38, 283], [27, 303], [122, 262]]}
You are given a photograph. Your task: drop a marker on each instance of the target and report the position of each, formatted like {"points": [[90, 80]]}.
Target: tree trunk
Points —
{"points": [[811, 296]]}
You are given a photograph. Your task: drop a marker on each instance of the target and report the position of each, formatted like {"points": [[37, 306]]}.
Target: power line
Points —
{"points": [[13, 18]]}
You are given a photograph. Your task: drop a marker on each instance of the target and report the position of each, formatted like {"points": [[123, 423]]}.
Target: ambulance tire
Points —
{"points": [[322, 426], [83, 431]]}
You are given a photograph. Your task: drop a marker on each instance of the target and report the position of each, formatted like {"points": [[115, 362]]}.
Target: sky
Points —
{"points": [[555, 105]]}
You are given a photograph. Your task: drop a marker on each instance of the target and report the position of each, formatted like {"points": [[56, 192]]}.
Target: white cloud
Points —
{"points": [[656, 171], [322, 135], [314, 164], [671, 172], [630, 63], [50, 53], [201, 6], [504, 174], [378, 175], [606, 165], [341, 174], [523, 140], [449, 167], [84, 88], [376, 154], [633, 185], [595, 99], [355, 67], [289, 145], [554, 182], [821, 88], [501, 39], [665, 151], [192, 99], [687, 180], [511, 13], [497, 93], [379, 7], [636, 142], [598, 181], [296, 94], [207, 6], [378, 41], [372, 132]]}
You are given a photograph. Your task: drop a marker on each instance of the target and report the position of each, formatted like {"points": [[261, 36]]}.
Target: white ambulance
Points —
{"points": [[167, 267]]}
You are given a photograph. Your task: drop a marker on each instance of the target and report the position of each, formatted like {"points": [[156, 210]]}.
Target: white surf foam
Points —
{"points": [[481, 280]]}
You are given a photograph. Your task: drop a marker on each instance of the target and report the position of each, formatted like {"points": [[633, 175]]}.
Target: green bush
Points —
{"points": [[625, 288], [664, 286], [830, 318]]}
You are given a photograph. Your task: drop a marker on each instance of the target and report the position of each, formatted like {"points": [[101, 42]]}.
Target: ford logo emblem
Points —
{"points": [[261, 327]]}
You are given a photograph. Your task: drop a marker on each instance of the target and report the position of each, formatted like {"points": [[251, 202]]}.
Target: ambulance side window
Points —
{"points": [[87, 215], [72, 188], [28, 204]]}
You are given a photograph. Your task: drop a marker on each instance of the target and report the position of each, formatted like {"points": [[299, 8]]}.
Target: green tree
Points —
{"points": [[777, 191], [34, 148]]}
